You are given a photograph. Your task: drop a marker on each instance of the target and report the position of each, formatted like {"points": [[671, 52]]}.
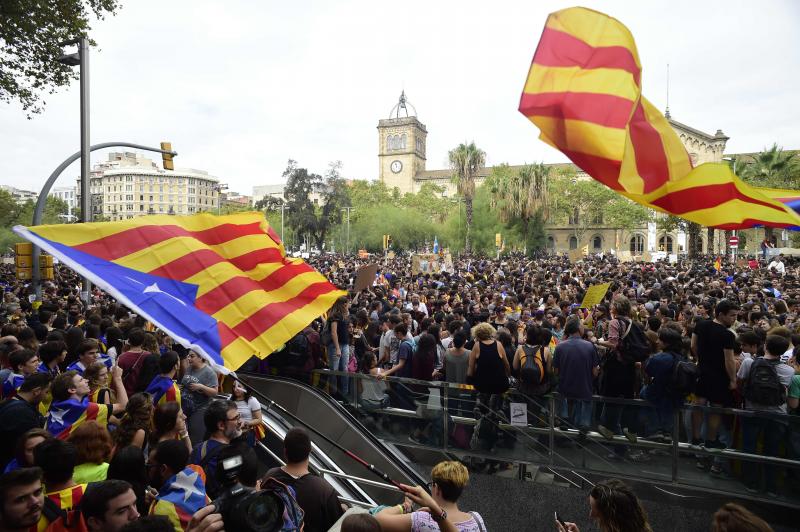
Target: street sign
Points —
{"points": [[733, 242]]}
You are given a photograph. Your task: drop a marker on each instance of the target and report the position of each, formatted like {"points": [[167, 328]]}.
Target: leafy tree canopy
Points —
{"points": [[30, 31]]}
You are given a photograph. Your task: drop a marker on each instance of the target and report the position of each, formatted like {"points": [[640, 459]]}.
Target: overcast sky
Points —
{"points": [[239, 87]]}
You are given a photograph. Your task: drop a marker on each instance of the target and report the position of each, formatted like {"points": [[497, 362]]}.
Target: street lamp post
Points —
{"points": [[81, 59]]}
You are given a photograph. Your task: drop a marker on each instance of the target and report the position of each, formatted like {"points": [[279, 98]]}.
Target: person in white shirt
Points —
{"points": [[777, 265], [417, 306]]}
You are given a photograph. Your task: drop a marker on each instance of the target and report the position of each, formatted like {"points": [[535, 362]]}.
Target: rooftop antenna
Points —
{"points": [[666, 112]]}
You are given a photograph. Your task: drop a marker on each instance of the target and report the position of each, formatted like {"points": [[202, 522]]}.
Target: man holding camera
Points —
{"points": [[181, 491], [223, 424]]}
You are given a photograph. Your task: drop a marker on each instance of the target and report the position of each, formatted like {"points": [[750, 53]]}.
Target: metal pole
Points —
{"points": [[86, 198], [41, 201]]}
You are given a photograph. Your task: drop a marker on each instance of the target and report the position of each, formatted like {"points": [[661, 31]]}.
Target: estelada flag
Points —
{"points": [[718, 264], [219, 285], [584, 93], [66, 416]]}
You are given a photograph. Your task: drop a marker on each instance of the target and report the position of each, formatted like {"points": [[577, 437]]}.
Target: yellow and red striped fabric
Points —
{"points": [[220, 285], [583, 92]]}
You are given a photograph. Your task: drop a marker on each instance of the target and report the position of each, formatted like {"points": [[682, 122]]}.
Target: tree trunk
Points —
{"points": [[710, 247], [468, 227], [693, 232]]}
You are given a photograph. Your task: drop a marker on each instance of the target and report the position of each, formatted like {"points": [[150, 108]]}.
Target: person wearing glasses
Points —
{"points": [[198, 386], [223, 424]]}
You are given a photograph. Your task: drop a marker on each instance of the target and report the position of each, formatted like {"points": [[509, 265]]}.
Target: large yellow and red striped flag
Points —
{"points": [[220, 285], [584, 93]]}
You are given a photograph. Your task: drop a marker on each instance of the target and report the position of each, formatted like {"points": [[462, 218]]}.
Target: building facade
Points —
{"points": [[401, 163], [19, 195], [128, 185], [68, 195]]}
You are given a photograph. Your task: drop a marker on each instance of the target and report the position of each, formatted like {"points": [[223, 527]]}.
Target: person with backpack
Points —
{"points": [[316, 496], [625, 346], [223, 424], [533, 365], [764, 382], [667, 385]]}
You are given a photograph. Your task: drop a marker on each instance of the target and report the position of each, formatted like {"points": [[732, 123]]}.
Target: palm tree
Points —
{"points": [[465, 161], [520, 197], [771, 167]]}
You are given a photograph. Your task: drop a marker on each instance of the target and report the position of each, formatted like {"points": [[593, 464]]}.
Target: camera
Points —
{"points": [[242, 508]]}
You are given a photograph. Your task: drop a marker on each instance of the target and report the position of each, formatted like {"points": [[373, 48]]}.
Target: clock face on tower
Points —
{"points": [[396, 167]]}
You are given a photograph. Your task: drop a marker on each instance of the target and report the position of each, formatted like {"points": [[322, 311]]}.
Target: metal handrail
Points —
{"points": [[741, 412], [675, 447], [359, 480]]}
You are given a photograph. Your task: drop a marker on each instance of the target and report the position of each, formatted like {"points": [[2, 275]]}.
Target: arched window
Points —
{"points": [[637, 244], [573, 242], [551, 242], [403, 143], [597, 243], [665, 243]]}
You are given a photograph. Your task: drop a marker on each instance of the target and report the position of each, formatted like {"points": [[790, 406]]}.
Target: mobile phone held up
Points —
{"points": [[560, 521]]}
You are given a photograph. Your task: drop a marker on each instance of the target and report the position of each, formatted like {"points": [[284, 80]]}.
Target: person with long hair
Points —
{"points": [[23, 452], [93, 445], [169, 423], [615, 508], [735, 518], [97, 376], [250, 410], [339, 344], [128, 464], [114, 342], [135, 424]]}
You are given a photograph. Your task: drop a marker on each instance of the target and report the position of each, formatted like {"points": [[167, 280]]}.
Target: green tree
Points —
{"points": [[305, 217], [30, 31], [466, 161], [429, 201], [521, 198]]}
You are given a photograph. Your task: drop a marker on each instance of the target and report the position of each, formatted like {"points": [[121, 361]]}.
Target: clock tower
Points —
{"points": [[401, 147]]}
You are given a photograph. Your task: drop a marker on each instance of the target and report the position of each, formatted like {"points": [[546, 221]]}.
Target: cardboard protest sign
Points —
{"points": [[365, 276], [594, 295], [575, 255]]}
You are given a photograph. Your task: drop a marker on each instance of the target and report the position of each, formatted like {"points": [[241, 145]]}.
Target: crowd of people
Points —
{"points": [[673, 335], [106, 420]]}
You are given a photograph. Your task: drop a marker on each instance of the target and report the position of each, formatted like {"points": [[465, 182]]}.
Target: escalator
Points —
{"points": [[297, 404]]}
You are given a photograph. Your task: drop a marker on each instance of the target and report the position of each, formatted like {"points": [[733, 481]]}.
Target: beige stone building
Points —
{"points": [[128, 185], [401, 163]]}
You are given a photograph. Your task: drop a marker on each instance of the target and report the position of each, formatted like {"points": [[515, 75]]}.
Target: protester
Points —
{"points": [[181, 489], [576, 363], [21, 499], [93, 451], [448, 480], [223, 424], [108, 506], [615, 508], [316, 497], [199, 386]]}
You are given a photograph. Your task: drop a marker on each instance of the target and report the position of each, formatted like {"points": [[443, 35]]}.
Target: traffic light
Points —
{"points": [[385, 241], [167, 157], [388, 241], [24, 263]]}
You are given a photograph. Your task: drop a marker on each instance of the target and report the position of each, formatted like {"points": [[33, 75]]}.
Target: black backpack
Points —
{"points": [[633, 346], [532, 371], [763, 386], [683, 380]]}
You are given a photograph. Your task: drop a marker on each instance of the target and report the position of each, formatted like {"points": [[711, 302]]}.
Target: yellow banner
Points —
{"points": [[594, 295]]}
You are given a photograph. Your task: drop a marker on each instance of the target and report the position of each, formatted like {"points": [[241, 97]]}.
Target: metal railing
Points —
{"points": [[540, 443]]}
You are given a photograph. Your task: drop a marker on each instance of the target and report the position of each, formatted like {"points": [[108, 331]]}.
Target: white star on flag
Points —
{"points": [[187, 484], [57, 416], [154, 289]]}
